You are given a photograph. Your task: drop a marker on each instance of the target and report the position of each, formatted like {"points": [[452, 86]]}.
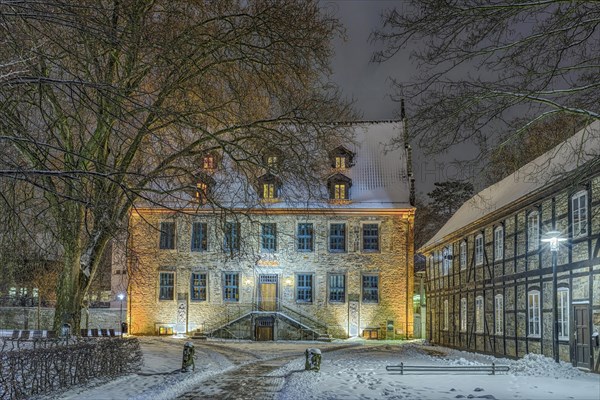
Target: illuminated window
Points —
{"points": [[208, 162], [198, 287], [339, 187], [272, 161], [268, 191], [231, 287], [201, 192], [340, 162]]}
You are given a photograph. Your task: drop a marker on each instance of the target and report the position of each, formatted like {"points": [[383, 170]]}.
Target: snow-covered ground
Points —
{"points": [[359, 373], [353, 369]]}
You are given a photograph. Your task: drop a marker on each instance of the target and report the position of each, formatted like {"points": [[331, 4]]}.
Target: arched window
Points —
{"points": [[563, 313], [533, 313]]}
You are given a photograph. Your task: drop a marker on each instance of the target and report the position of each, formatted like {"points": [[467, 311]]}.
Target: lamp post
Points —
{"points": [[121, 296], [553, 239]]}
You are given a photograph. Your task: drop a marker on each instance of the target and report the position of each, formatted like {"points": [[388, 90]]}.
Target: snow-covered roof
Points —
{"points": [[533, 177], [379, 177]]}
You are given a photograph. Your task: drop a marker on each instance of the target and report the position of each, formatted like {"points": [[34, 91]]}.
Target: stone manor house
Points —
{"points": [[341, 267], [490, 269]]}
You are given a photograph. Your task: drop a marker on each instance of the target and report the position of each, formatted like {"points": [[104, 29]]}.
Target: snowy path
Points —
{"points": [[352, 369]]}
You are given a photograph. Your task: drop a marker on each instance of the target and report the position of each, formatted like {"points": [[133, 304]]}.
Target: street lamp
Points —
{"points": [[553, 238], [121, 296]]}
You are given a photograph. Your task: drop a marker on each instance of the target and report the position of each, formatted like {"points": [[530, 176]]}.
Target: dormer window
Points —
{"points": [[269, 187], [339, 187], [341, 158], [204, 184], [272, 158], [209, 162], [272, 161]]}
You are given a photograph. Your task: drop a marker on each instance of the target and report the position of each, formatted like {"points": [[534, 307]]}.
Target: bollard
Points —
{"points": [[65, 332], [313, 360], [188, 357]]}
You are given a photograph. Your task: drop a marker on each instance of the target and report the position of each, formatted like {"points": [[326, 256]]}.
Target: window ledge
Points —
{"points": [[340, 201], [534, 336]]}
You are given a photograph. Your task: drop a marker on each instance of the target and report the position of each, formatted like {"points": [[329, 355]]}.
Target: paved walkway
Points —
{"points": [[251, 379]]}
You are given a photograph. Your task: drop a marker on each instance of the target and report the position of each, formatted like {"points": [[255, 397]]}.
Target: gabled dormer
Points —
{"points": [[272, 158], [338, 186], [269, 187], [208, 162], [204, 186], [341, 158]]}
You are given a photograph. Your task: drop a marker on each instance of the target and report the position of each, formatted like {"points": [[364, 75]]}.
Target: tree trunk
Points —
{"points": [[69, 295]]}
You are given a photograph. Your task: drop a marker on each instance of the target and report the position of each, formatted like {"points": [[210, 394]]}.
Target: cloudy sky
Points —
{"points": [[368, 84]]}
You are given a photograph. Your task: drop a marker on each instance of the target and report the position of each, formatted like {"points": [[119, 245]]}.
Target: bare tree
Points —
{"points": [[482, 62], [121, 100]]}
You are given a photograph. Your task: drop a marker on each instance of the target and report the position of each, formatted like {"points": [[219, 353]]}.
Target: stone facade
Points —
{"points": [[269, 287], [392, 264], [506, 278]]}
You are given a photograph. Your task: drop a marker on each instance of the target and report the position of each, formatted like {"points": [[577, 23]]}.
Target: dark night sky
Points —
{"points": [[368, 84]]}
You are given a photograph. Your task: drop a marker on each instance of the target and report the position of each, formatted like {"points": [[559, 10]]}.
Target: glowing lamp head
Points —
{"points": [[553, 238], [121, 296]]}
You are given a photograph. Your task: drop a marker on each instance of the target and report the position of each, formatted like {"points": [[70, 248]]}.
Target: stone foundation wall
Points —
{"points": [[27, 318]]}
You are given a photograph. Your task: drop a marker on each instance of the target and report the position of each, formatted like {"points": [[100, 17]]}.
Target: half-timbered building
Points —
{"points": [[492, 281]]}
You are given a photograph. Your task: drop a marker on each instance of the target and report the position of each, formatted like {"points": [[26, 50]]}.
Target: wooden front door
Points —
{"points": [[582, 335], [264, 329], [268, 293]]}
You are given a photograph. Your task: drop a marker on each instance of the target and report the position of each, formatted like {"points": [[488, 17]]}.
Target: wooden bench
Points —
{"points": [[423, 369]]}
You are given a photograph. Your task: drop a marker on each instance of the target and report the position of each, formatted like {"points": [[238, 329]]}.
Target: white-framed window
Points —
{"points": [[479, 249], [499, 311], [446, 315], [533, 231], [479, 314], [533, 313], [446, 260], [563, 313], [579, 214], [463, 254], [463, 314], [498, 243]]}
